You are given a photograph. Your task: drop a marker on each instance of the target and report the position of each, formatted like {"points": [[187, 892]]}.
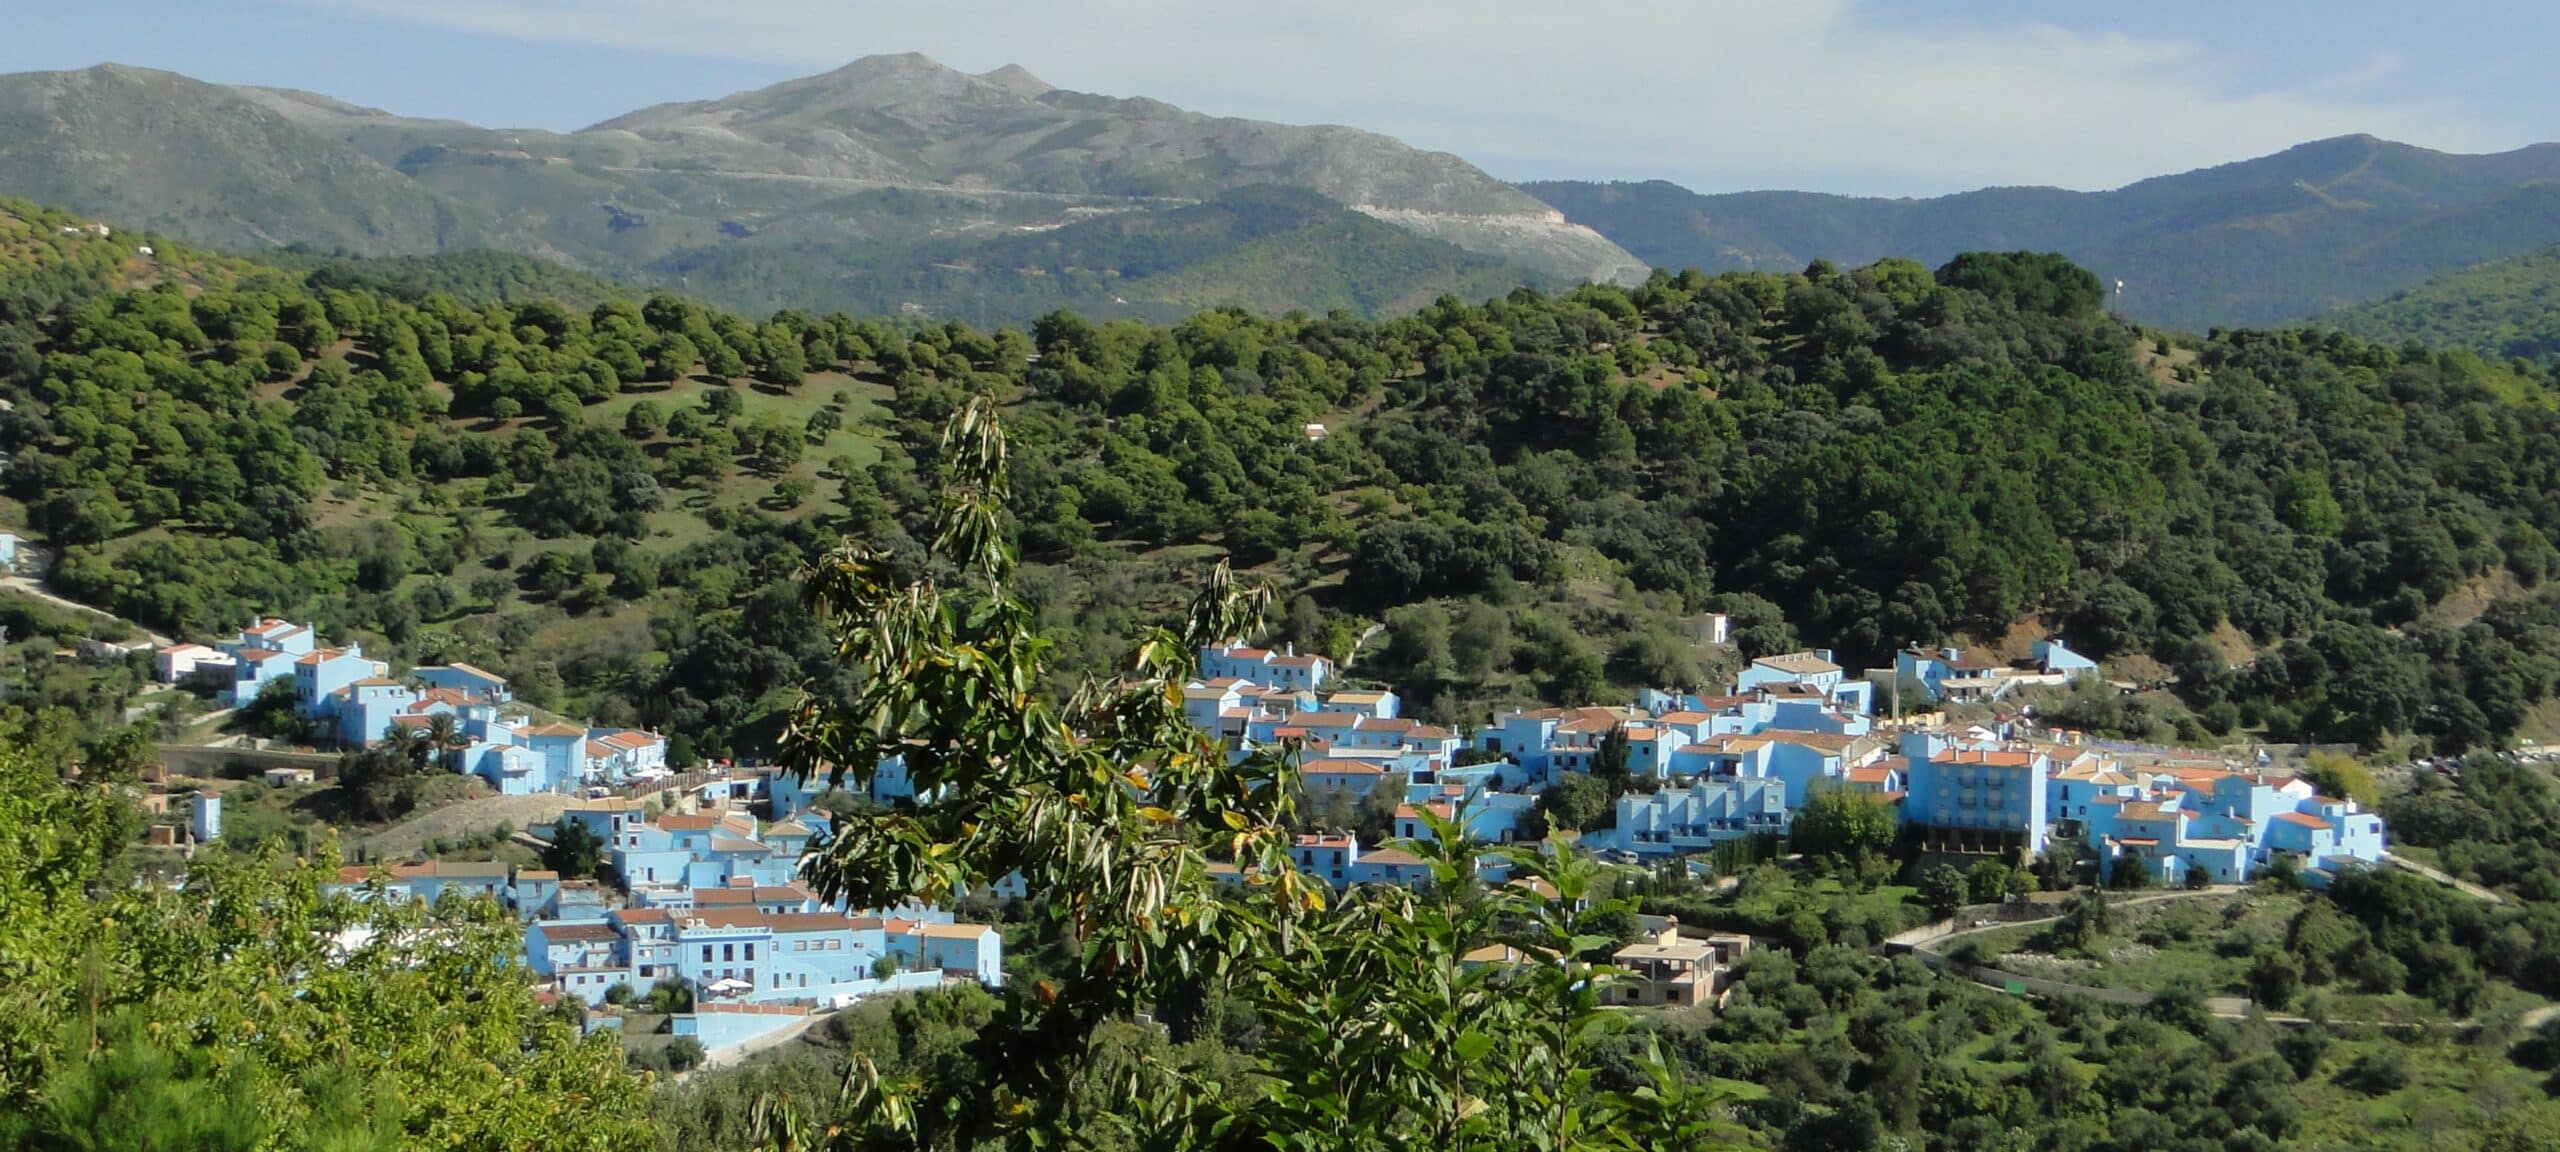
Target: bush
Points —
{"points": [[1943, 889], [2275, 979], [669, 997], [2377, 1072]]}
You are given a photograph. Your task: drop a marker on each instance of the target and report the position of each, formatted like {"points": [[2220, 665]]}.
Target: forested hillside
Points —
{"points": [[2276, 239], [2312, 536], [2507, 309]]}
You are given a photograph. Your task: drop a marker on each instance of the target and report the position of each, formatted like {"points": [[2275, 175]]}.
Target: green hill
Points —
{"points": [[2264, 241], [1267, 248], [200, 161], [606, 499], [2509, 309]]}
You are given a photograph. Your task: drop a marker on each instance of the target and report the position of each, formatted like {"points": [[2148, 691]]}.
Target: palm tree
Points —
{"points": [[445, 737], [404, 742]]}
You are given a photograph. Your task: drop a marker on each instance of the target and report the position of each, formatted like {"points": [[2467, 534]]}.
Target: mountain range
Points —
{"points": [[898, 185], [2283, 237], [892, 184]]}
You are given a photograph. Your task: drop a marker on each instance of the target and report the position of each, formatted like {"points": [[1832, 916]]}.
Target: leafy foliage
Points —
{"points": [[1378, 1032], [249, 1010]]}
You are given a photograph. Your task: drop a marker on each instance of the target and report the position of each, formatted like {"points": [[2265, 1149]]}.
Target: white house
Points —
{"points": [[186, 663]]}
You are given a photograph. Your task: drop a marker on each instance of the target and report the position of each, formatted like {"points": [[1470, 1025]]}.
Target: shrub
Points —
{"points": [[2377, 1072]]}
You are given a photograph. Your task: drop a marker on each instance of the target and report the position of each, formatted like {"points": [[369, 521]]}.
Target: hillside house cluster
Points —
{"points": [[1951, 676], [710, 900], [2167, 811], [357, 701]]}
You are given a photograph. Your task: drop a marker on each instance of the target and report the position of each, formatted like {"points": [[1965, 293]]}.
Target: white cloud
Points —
{"points": [[1719, 94]]}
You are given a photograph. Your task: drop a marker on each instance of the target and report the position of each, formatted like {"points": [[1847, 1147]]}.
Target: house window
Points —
{"points": [[728, 952], [751, 950], [706, 953]]}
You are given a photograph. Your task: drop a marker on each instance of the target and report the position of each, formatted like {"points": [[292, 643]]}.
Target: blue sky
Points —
{"points": [[1908, 98]]}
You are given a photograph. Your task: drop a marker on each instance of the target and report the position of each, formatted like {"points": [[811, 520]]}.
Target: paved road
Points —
{"points": [[32, 588]]}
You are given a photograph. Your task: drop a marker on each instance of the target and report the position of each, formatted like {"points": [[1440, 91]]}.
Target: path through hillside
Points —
{"points": [[462, 818], [32, 587]]}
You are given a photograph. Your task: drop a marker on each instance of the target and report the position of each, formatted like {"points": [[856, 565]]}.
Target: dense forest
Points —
{"points": [[2507, 308], [2309, 536]]}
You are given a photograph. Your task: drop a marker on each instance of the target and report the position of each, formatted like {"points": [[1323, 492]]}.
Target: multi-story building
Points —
{"points": [[1678, 821], [1978, 795], [1283, 669]]}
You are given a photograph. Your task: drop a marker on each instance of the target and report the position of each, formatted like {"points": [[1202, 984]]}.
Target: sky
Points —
{"points": [[1865, 97]]}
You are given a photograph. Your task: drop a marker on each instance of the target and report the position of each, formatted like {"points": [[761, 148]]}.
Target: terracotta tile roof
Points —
{"points": [[1986, 756], [1686, 718], [536, 874], [1430, 732], [582, 930], [1332, 766], [468, 670], [2302, 819], [556, 730], [256, 654], [1391, 858], [1826, 741], [954, 931], [677, 822]]}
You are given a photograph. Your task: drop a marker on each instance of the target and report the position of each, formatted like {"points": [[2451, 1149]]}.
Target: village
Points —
{"points": [[698, 902]]}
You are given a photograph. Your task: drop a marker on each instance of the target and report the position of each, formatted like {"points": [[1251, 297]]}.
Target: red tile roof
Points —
{"points": [[562, 933]]}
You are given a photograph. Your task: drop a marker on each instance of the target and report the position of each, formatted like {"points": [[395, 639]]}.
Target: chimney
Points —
{"points": [[1289, 649]]}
